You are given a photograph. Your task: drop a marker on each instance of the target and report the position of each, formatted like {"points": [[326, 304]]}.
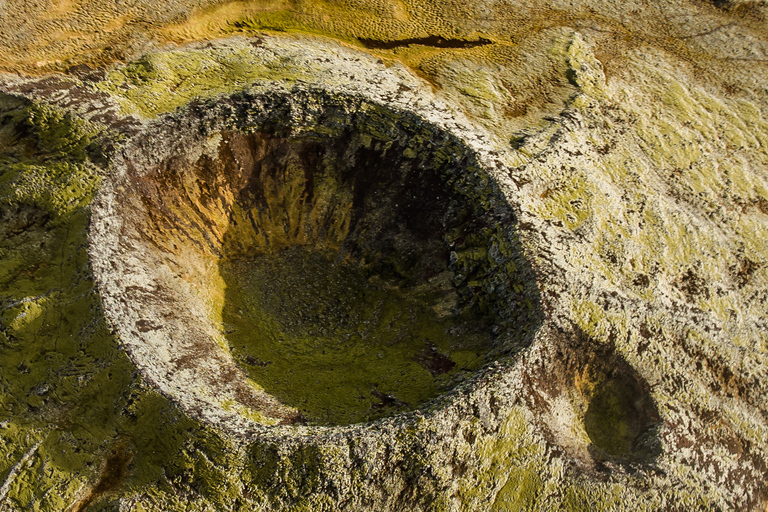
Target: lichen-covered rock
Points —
{"points": [[611, 175]]}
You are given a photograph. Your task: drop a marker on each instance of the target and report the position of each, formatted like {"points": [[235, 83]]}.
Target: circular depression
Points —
{"points": [[308, 257]]}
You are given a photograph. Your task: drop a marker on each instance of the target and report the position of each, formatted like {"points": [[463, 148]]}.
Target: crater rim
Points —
{"points": [[196, 122]]}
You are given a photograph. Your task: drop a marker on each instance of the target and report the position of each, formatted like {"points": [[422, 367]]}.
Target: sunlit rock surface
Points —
{"points": [[383, 256]]}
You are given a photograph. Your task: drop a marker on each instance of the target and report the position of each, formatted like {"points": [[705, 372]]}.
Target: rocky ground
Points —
{"points": [[590, 196]]}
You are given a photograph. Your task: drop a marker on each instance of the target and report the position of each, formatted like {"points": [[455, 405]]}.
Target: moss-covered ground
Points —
{"points": [[342, 346], [77, 425]]}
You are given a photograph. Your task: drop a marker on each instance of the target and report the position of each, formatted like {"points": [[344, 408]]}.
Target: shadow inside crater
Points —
{"points": [[621, 418]]}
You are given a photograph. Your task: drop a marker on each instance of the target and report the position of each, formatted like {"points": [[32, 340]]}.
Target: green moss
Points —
{"points": [[44, 162], [585, 497], [569, 202], [522, 492], [161, 82], [39, 133], [275, 475], [56, 188], [61, 372], [505, 465], [342, 347]]}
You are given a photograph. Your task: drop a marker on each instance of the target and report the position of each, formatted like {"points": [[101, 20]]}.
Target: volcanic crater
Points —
{"points": [[309, 257]]}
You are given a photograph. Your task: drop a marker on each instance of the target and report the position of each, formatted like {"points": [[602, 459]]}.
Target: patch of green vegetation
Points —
{"points": [[505, 465], [521, 492], [585, 497], [56, 188], [158, 83], [65, 383], [276, 475], [620, 416], [70, 399], [43, 162], [342, 346], [569, 202], [33, 131]]}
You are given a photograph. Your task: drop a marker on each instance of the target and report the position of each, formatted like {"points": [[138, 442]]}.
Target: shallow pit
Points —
{"points": [[313, 258], [594, 404]]}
